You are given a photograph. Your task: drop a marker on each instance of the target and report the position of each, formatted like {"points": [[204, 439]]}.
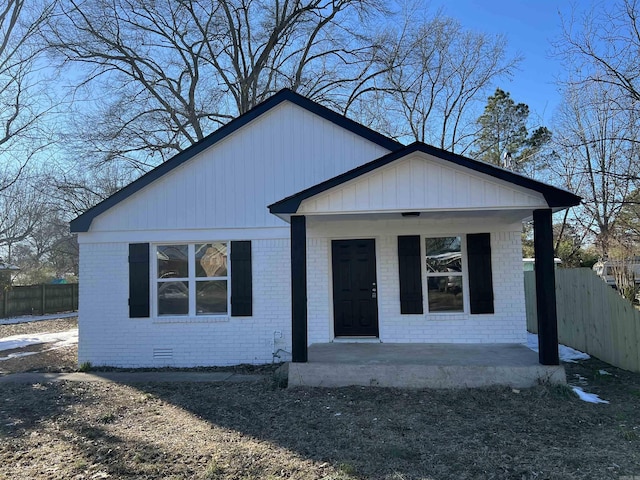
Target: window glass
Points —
{"points": [[443, 254], [445, 283], [192, 279], [445, 294], [172, 261], [173, 298], [211, 297], [211, 260]]}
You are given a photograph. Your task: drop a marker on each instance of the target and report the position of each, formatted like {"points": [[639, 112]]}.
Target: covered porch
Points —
{"points": [[413, 365], [389, 213]]}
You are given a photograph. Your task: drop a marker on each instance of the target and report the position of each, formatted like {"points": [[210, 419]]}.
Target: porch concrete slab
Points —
{"points": [[422, 366]]}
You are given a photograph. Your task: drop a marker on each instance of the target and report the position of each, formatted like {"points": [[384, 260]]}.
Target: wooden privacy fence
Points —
{"points": [[38, 299], [592, 317]]}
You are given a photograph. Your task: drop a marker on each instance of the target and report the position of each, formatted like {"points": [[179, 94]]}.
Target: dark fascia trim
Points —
{"points": [[555, 197], [83, 221]]}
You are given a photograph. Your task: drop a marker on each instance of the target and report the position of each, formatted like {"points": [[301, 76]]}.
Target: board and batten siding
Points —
{"points": [[422, 182], [230, 184]]}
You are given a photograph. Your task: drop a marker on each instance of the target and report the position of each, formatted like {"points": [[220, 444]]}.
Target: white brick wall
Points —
{"points": [[319, 292], [507, 325], [108, 337]]}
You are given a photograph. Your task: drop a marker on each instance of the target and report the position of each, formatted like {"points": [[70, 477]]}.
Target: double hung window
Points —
{"points": [[192, 279], [445, 274]]}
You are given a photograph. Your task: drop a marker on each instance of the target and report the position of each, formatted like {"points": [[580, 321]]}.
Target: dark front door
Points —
{"points": [[355, 304]]}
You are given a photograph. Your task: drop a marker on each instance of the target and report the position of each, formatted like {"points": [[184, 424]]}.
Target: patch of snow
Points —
{"points": [[532, 341], [567, 354], [588, 397], [17, 355], [59, 339], [604, 372], [36, 318]]}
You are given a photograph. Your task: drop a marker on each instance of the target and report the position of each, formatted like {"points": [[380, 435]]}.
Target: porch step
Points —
{"points": [[421, 376], [422, 366]]}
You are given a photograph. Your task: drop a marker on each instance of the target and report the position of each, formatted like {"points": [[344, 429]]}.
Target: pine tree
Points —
{"points": [[503, 137]]}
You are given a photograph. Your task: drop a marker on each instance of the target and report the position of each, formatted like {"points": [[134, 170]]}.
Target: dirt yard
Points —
{"points": [[259, 431], [59, 360]]}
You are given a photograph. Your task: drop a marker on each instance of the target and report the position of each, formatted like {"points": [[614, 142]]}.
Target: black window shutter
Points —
{"points": [[241, 279], [138, 280], [410, 273], [480, 275]]}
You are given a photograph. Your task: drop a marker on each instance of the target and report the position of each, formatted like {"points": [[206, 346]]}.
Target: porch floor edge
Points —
{"points": [[422, 366], [422, 376]]}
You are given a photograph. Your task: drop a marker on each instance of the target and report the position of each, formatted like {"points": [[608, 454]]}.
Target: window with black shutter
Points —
{"points": [[480, 273], [139, 280], [191, 279], [446, 267], [241, 279], [410, 274]]}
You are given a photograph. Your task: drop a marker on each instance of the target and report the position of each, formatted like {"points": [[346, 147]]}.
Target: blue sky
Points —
{"points": [[529, 26]]}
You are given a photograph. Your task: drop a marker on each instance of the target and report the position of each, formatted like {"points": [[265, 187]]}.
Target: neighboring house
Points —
{"points": [[6, 273], [529, 264], [294, 225], [608, 269]]}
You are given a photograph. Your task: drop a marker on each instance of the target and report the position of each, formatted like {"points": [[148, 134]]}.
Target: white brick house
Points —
{"points": [[293, 225]]}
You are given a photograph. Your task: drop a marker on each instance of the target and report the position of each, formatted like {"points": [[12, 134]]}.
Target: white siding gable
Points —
{"points": [[230, 184], [422, 182]]}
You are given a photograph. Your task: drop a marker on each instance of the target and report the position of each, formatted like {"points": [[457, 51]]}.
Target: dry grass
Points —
{"points": [[257, 431]]}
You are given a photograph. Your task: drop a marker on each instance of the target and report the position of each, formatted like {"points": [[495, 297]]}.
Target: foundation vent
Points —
{"points": [[163, 353]]}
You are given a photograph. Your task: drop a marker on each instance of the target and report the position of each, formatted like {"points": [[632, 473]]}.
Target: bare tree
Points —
{"points": [[437, 77], [168, 72], [602, 45], [21, 105], [23, 209], [159, 76], [49, 252], [598, 156], [75, 190], [600, 48], [628, 222]]}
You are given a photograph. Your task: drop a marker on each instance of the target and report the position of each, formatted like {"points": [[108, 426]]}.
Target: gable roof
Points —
{"points": [[82, 223], [555, 197]]}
